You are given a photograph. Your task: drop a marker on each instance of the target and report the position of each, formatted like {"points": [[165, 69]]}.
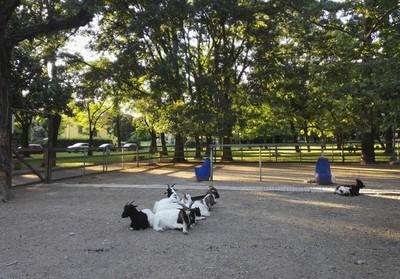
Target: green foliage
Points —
{"points": [[248, 69]]}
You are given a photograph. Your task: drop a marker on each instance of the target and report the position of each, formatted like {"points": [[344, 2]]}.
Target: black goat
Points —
{"points": [[139, 219]]}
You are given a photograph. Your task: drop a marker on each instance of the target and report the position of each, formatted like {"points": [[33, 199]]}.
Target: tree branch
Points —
{"points": [[380, 20], [6, 11], [82, 18]]}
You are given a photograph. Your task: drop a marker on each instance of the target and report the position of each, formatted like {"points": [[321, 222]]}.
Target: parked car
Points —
{"points": [[32, 148], [129, 146], [78, 147], [190, 144], [106, 146]]}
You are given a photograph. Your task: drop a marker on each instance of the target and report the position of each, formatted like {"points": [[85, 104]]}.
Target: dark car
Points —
{"points": [[32, 148]]}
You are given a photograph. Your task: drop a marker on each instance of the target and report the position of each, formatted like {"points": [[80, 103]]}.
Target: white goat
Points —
{"points": [[165, 202], [184, 203], [169, 219]]}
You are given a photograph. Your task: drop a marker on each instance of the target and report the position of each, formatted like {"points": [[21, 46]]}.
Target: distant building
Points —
{"points": [[71, 129]]}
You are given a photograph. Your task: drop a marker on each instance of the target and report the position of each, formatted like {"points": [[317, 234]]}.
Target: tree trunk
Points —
{"points": [[118, 128], [367, 148], [163, 144], [208, 143], [198, 147], [226, 150], [56, 126], [339, 140], [91, 132], [179, 154], [153, 143], [5, 122], [389, 140], [25, 137]]}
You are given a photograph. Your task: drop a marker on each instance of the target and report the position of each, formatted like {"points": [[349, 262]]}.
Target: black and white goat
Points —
{"points": [[139, 219], [203, 202], [211, 190], [204, 205], [170, 190], [350, 190]]}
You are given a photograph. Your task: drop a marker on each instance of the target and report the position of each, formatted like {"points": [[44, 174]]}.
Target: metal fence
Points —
{"points": [[32, 165]]}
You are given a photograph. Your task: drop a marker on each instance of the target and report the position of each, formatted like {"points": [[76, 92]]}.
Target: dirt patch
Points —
{"points": [[67, 232]]}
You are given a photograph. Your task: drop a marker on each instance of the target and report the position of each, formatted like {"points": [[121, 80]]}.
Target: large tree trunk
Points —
{"points": [[226, 150], [5, 122], [153, 143], [389, 140], [163, 144], [56, 126], [179, 154], [367, 147]]}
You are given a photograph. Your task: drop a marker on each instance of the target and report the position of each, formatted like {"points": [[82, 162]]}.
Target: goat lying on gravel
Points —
{"points": [[211, 190], [170, 219], [139, 219], [204, 205], [174, 198], [350, 190]]}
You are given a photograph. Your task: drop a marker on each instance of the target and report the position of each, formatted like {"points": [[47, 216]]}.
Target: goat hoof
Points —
{"points": [[131, 229]]}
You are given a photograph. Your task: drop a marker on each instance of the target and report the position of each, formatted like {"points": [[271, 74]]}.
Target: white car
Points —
{"points": [[129, 146], [78, 146], [106, 146]]}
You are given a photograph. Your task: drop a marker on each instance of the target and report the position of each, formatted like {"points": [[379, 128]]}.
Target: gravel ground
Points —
{"points": [[77, 232]]}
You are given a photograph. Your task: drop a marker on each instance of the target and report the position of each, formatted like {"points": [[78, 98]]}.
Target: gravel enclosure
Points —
{"points": [[77, 232]]}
